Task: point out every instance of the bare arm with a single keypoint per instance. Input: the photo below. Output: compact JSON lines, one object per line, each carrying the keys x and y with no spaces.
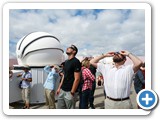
{"x":76,"y":81}
{"x":19,"y":75}
{"x":10,"y":74}
{"x":137,"y":63}
{"x":27,"y":79}
{"x":97,"y":59}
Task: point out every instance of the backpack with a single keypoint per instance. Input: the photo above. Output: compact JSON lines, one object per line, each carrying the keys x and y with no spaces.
{"x":20,"y":84}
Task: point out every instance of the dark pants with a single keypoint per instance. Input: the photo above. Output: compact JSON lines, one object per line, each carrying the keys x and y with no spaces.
{"x":104,"y":94}
{"x":91,"y":98}
{"x":80,"y":100}
{"x":80,"y":95}
{"x":85,"y":99}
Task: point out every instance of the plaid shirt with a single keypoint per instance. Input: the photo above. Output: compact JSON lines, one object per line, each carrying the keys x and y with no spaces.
{"x":88,"y":78}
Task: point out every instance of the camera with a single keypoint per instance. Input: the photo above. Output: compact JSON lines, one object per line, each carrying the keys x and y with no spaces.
{"x":99,"y":83}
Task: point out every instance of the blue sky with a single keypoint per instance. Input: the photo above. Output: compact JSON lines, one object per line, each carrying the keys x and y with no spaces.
{"x":93,"y":31}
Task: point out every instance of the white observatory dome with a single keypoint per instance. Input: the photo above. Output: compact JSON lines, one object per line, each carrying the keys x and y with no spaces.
{"x":39,"y":49}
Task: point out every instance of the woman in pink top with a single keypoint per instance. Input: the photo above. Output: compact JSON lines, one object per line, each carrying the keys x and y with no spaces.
{"x":88,"y":78}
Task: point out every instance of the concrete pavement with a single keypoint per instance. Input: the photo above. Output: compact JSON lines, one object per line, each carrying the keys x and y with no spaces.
{"x":98,"y":101}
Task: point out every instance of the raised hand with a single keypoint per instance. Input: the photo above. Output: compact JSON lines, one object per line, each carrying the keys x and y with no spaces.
{"x":109,"y":54}
{"x":124,"y":52}
{"x":58,"y":91}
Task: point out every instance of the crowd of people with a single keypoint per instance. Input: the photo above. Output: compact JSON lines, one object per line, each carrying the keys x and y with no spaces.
{"x":78,"y":81}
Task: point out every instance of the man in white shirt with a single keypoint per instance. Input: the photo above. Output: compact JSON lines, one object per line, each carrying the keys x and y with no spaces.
{"x":117,"y":78}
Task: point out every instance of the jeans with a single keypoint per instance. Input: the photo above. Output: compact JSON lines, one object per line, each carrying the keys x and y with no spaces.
{"x":85,"y":99}
{"x":91,"y":98}
{"x":80,"y":100}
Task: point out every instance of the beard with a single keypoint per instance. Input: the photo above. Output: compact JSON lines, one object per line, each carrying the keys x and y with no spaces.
{"x":117,"y":60}
{"x":68,"y":53}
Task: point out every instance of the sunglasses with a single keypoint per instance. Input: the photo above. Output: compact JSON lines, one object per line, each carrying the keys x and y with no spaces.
{"x":72,"y":47}
{"x":116,"y":53}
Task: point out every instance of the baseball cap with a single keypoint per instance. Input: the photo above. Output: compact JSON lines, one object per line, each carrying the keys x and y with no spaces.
{"x":26,"y":67}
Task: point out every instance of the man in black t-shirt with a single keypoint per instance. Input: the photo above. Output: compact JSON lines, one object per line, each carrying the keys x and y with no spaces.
{"x":69,"y":84}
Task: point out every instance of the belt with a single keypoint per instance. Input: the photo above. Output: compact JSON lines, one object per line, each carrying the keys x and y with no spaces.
{"x":118,"y":99}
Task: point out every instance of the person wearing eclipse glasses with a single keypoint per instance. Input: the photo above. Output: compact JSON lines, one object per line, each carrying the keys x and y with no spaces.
{"x":117,"y":78}
{"x":68,"y":87}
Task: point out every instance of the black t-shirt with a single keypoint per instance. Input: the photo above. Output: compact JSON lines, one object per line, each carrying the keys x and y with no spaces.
{"x":93,"y":70}
{"x":71,"y":66}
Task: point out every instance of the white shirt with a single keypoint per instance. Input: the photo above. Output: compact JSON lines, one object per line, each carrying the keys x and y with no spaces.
{"x":117,"y":82}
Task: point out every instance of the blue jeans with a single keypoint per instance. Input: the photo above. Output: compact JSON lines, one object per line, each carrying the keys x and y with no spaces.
{"x":85,"y":98}
{"x":91,"y":98}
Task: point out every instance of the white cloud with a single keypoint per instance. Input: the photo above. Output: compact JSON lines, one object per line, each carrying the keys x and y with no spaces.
{"x":92,"y":32}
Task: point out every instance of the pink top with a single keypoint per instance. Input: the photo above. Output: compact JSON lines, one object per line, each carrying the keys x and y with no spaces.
{"x":88,"y":78}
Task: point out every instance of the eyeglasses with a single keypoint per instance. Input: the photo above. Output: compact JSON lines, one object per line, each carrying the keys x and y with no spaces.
{"x":72,"y":47}
{"x":116,"y":53}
